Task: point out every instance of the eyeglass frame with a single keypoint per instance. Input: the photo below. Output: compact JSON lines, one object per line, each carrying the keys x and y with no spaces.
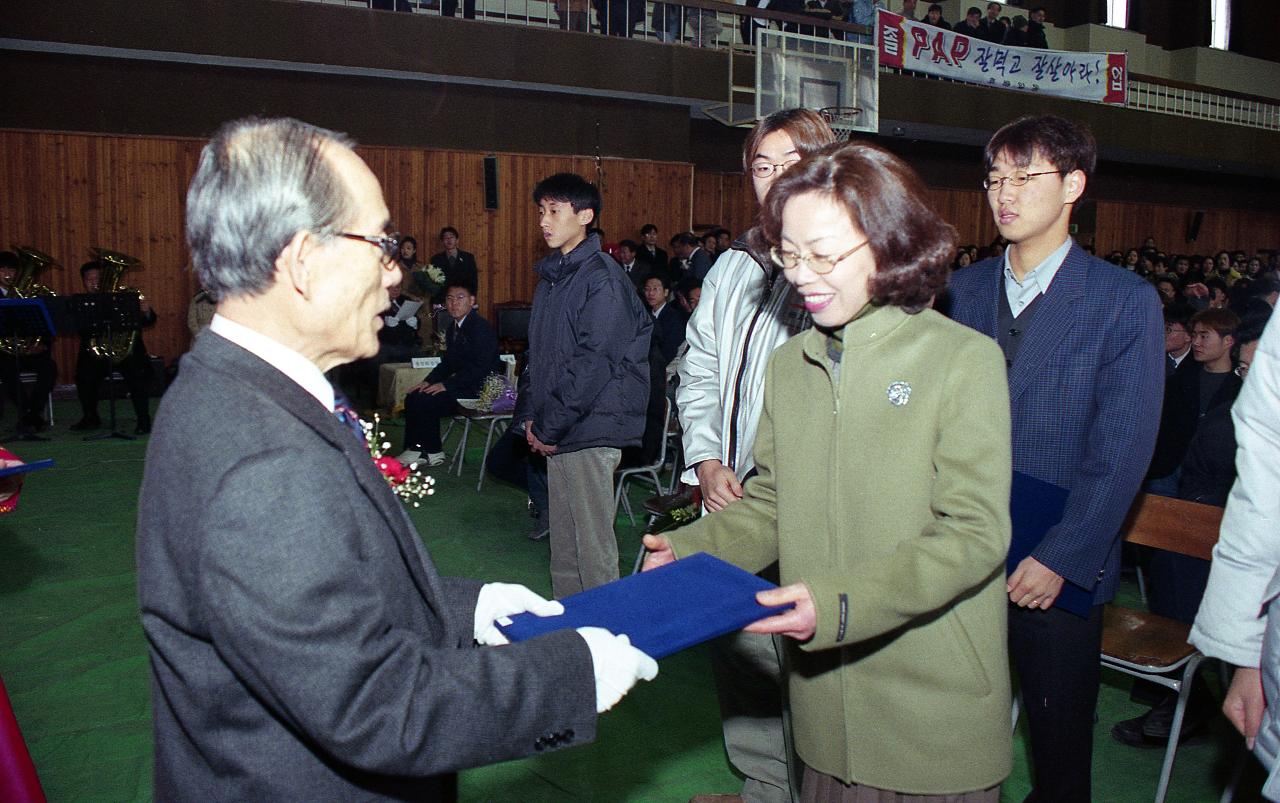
{"x":775,"y":255}
{"x":773,"y":167}
{"x":989,"y":185}
{"x":389,"y":244}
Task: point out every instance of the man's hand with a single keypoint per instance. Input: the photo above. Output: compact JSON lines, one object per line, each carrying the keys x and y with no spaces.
{"x":1033,"y":585}
{"x":544,"y":449}
{"x":659,"y":552}
{"x":1245,"y":703}
{"x":430,"y":389}
{"x":616,"y":664}
{"x":798,"y":623}
{"x":720,"y":486}
{"x":497,"y":601}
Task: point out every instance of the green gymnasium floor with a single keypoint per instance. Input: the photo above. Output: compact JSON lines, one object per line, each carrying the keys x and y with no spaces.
{"x":74,"y":659}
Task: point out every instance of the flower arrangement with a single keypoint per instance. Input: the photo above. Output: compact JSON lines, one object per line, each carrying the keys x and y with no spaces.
{"x":496,"y":396}
{"x":429,"y":280}
{"x":405,"y":481}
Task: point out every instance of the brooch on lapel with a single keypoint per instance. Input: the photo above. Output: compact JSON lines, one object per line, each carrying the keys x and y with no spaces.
{"x":899,"y":393}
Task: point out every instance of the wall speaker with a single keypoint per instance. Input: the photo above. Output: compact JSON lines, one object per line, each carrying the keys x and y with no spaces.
{"x":1193,"y":230}
{"x":490,"y":182}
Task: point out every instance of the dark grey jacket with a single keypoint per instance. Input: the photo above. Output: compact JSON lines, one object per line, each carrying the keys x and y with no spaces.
{"x":303,"y":646}
{"x":588,"y":377}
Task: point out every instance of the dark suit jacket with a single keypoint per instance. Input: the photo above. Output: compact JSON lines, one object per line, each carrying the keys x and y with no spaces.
{"x":1085,"y":395}
{"x":1180,"y":414}
{"x":463,"y":271}
{"x":471,"y":354}
{"x":668,"y":330}
{"x":656,"y":261}
{"x":302,"y":645}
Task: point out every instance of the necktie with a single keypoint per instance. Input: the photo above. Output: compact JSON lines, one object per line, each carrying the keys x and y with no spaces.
{"x":347,"y":415}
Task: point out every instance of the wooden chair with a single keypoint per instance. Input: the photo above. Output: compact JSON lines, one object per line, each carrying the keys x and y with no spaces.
{"x":1153,"y":647}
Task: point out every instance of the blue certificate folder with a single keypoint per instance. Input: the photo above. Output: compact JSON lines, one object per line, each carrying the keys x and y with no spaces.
{"x":1035,"y":506}
{"x":662,"y":611}
{"x":35,"y":465}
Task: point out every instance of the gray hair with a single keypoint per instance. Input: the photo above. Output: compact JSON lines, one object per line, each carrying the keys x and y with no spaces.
{"x":260,"y":182}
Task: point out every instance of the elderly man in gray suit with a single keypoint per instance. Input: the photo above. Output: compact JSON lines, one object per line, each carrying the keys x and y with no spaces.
{"x":302,"y":645}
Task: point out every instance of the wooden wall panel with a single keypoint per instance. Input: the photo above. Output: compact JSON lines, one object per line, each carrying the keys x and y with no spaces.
{"x":67,"y":192}
{"x":1123,"y":225}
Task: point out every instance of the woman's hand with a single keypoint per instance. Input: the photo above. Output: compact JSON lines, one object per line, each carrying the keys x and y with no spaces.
{"x":798,"y":623}
{"x":720,"y":486}
{"x":659,"y":552}
{"x":9,"y":485}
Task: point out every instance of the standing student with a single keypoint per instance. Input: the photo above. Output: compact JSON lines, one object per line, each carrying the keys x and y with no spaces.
{"x":583,"y":395}
{"x":1083,"y":343}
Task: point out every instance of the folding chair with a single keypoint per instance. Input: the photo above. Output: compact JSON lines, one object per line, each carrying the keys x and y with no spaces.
{"x":1152,"y":647}
{"x":647,"y":472}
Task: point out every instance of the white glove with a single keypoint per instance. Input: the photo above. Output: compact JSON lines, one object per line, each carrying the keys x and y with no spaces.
{"x":411,"y":322}
{"x":617,"y":665}
{"x":497,"y":601}
{"x":389,"y":320}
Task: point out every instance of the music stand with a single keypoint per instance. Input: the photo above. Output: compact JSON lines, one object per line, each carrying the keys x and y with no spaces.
{"x":106,"y":314}
{"x":22,"y":318}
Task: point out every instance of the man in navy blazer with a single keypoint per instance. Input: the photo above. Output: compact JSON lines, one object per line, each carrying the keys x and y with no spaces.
{"x":1084,"y":344}
{"x":303,"y":646}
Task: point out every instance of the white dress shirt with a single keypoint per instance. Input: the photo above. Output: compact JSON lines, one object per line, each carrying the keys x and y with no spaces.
{"x":284,"y":359}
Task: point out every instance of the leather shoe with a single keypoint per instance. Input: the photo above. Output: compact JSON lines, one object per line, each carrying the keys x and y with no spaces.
{"x":1129,"y":731}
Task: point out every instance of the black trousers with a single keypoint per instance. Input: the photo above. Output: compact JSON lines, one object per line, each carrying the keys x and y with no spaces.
{"x":1056,"y":656}
{"x":92,"y":371}
{"x":449,"y":8}
{"x":30,"y":404}
{"x":422,"y":414}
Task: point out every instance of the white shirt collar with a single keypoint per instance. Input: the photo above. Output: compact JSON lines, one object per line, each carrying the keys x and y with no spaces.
{"x":284,"y":359}
{"x":659,"y":310}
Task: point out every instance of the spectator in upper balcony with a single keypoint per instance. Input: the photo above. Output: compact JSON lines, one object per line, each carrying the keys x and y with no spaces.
{"x":650,"y":254}
{"x":449,"y":8}
{"x":993,"y":29}
{"x":1016,"y":36}
{"x":909,"y":9}
{"x":971,"y":25}
{"x":1035,"y":29}
{"x":862,"y":12}
{"x":934,"y":17}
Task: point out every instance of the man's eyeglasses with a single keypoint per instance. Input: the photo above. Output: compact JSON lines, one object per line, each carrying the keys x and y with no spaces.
{"x":766,"y":169}
{"x":790,"y":260}
{"x":389,"y":243}
{"x":1015,"y":179}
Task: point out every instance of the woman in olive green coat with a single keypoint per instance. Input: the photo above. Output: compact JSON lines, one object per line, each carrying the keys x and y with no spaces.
{"x":883,"y":490}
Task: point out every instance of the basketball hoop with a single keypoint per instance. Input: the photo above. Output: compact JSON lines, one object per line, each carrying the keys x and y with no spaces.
{"x":842,"y":119}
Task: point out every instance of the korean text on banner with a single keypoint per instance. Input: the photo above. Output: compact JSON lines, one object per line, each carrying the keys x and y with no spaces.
{"x":911,"y":45}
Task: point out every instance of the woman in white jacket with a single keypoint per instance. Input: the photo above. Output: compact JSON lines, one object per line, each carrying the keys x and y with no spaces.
{"x":1239,"y":619}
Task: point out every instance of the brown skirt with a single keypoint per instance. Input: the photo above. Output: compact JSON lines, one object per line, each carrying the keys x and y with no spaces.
{"x":818,"y":787}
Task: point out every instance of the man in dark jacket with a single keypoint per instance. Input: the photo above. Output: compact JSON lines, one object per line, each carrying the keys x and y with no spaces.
{"x":471,"y":354}
{"x":582,"y":398}
{"x":459,"y":266}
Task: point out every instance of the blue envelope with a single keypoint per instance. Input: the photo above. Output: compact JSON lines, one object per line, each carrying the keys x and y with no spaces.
{"x":26,"y":468}
{"x":1036,"y":506}
{"x":662,"y":611}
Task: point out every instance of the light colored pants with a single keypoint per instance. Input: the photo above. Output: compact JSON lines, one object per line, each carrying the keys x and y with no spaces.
{"x":584,"y":550}
{"x":749,"y":682}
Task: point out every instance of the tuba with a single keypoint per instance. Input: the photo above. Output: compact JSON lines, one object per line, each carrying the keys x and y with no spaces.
{"x":30,"y":262}
{"x":113,"y":264}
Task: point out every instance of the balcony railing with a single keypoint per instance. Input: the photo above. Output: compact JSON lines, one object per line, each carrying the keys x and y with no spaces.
{"x":717,"y":25}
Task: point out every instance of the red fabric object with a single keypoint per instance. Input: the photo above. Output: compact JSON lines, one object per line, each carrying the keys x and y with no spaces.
{"x":18,"y":780}
{"x":9,"y":504}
